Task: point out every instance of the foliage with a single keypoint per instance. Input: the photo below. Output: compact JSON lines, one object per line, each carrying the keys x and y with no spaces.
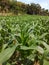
{"x":23,"y":37}
{"x":17,"y":7}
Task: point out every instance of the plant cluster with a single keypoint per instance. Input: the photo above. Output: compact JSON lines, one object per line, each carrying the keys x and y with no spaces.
{"x":24,"y":39}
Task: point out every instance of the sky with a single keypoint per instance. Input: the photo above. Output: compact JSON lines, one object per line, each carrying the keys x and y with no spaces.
{"x":43,"y":3}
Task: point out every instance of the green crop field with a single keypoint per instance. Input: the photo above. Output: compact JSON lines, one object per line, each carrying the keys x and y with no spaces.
{"x":22,"y":38}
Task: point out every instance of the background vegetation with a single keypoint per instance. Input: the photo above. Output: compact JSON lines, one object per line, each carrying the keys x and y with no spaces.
{"x":16,"y":7}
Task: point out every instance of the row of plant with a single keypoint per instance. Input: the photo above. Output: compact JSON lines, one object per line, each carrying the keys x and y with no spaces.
{"x":24,"y":40}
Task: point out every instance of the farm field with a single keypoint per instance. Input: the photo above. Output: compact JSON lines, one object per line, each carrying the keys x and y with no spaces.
{"x":23,"y":39}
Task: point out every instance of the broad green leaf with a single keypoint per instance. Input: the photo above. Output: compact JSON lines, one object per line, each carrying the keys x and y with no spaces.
{"x":7,"y":53}
{"x":4,"y":46}
{"x":43,"y":35}
{"x":40,"y":49}
{"x":27,"y":48}
{"x":46,"y":45}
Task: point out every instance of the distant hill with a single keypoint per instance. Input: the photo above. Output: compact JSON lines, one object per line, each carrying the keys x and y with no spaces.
{"x":15,"y":7}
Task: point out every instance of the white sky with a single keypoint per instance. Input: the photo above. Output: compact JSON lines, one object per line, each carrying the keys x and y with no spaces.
{"x":43,"y":3}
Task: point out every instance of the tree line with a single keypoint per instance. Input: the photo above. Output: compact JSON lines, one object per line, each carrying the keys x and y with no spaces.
{"x":17,"y":7}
